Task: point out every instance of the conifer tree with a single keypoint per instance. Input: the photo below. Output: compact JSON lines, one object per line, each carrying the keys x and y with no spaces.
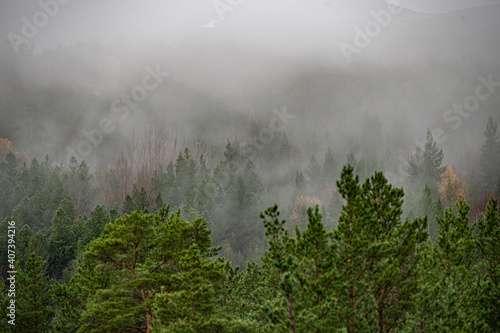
{"x":62,"y":241}
{"x":376,"y":252}
{"x":427,"y":207}
{"x":159,"y":202}
{"x":203,"y":170}
{"x":128,"y":205}
{"x":140,"y":198}
{"x":300,"y":185}
{"x":144,"y":268}
{"x":253,"y":181}
{"x":431,"y":166}
{"x":352,"y":160}
{"x":170,"y":193}
{"x":34,"y":311}
{"x":489,"y":160}
{"x":80,"y":187}
{"x":448,"y":286}
{"x":329,"y":169}
{"x":488,"y":235}
{"x":94,"y":225}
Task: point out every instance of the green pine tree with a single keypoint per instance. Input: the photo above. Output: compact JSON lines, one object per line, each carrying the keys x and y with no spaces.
{"x":128,"y":205}
{"x":143,"y":257}
{"x":489,"y":160}
{"x":34,"y":310}
{"x":376,"y":253}
{"x":488,"y":235}
{"x":329,"y":169}
{"x":62,"y":240}
{"x":432,"y":167}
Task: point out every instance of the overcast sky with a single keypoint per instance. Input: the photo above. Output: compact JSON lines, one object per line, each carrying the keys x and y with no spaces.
{"x":134,"y":21}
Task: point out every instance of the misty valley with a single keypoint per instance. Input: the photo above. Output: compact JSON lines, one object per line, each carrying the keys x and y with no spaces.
{"x":236,"y":166}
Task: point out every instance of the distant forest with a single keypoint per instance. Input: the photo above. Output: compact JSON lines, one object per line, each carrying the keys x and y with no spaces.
{"x":153,"y":243}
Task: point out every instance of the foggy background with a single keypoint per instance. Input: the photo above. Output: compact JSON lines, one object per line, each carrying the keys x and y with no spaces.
{"x":256,"y":57}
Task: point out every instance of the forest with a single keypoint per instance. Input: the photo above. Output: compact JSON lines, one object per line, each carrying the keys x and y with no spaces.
{"x":249,"y":166}
{"x":186,"y":251}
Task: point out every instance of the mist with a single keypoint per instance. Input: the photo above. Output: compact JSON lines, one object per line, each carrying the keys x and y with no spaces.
{"x":89,"y":79}
{"x":250,"y":165}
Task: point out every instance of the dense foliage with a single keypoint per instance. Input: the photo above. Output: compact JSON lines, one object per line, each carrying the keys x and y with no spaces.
{"x":178,"y":248}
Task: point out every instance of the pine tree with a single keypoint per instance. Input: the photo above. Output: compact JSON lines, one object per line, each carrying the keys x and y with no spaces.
{"x":140,"y":198}
{"x":9,"y":165}
{"x":376,"y":253}
{"x":427,"y":207}
{"x":447,"y":287}
{"x":23,"y":243}
{"x":489,"y":160}
{"x":128,"y":205}
{"x":488,"y":235}
{"x":152,"y":261}
{"x":329,"y":169}
{"x":34,"y":311}
{"x":300,"y":271}
{"x":253,"y":182}
{"x":300,"y":185}
{"x":203,"y":170}
{"x":94,"y":225}
{"x":62,"y":241}
{"x":229,"y":152}
{"x":185,"y":170}
{"x":351,"y":159}
{"x":159,"y":202}
{"x":432,"y":160}
{"x":170,"y":193}
{"x":80,"y":187}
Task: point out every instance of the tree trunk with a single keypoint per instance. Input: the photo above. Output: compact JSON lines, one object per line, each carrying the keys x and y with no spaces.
{"x":149,"y":316}
{"x":290,"y":312}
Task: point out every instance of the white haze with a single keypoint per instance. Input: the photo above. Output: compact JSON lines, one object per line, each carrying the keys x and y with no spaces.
{"x":428,"y":58}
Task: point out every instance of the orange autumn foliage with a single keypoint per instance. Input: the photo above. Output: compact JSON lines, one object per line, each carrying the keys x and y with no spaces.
{"x":451,"y":188}
{"x":5,"y":147}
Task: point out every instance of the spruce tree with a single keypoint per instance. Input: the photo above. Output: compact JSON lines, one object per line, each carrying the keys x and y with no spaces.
{"x":203,"y":170}
{"x":34,"y":310}
{"x":140,"y":198}
{"x":253,"y":182}
{"x":489,"y":160}
{"x":432,"y":160}
{"x":128,"y":205}
{"x":329,"y":169}
{"x":427,"y":207}
{"x":300,"y":186}
{"x":448,"y":286}
{"x":62,"y":240}
{"x":159,"y":202}
{"x":94,"y":225}
{"x":488,"y":235}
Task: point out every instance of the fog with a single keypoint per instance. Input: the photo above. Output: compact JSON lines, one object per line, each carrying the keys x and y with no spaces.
{"x":234,"y":62}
